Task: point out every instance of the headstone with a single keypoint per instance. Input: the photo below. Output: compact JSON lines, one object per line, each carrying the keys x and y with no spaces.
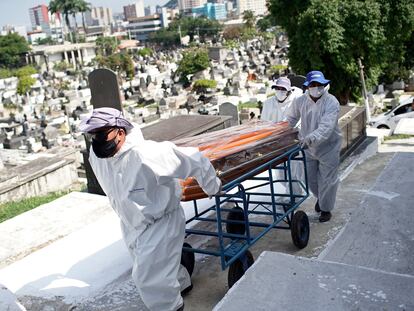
{"x":142,"y":84}
{"x":297,"y":80}
{"x":104,"y":89}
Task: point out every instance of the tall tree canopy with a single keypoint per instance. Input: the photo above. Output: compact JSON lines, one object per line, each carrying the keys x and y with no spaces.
{"x":331,"y":35}
{"x":13,"y":47}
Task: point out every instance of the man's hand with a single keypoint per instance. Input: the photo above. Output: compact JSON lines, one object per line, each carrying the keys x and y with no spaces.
{"x":305,"y":143}
{"x":219,"y":192}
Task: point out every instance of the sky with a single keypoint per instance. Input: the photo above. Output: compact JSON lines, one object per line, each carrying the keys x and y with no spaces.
{"x":16,"y":12}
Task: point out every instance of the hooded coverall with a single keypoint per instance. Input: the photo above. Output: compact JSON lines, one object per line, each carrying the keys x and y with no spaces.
{"x":320,"y":131}
{"x":141,"y":182}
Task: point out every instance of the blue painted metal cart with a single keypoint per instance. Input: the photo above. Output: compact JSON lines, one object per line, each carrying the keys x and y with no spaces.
{"x":240,"y":208}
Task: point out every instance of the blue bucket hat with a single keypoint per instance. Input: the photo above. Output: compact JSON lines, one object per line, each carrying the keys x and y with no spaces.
{"x":315,"y":76}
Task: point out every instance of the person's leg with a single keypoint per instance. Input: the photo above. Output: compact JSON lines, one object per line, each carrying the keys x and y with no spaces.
{"x":312,"y":168}
{"x":157,"y":261}
{"x":328,"y":181}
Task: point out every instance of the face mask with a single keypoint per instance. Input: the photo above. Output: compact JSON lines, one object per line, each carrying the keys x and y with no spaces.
{"x":104,"y":149}
{"x":281,"y":95}
{"x":316,"y":91}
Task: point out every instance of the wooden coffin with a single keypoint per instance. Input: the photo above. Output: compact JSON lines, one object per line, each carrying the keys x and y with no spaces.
{"x":237,"y":150}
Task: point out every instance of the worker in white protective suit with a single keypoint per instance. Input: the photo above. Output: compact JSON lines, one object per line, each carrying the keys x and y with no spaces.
{"x":320,"y":135}
{"x":275,"y":109}
{"x":140,"y":178}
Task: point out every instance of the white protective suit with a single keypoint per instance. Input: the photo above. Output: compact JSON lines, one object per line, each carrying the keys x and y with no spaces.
{"x":275,"y":111}
{"x":141,"y":182}
{"x":320,"y":130}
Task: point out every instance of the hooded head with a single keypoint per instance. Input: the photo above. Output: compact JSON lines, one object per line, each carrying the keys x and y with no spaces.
{"x":108,"y":128}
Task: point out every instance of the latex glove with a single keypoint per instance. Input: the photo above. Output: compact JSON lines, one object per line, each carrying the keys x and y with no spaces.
{"x":219,"y":192}
{"x":305,"y":142}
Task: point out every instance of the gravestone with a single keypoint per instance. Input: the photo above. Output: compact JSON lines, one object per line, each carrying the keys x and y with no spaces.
{"x":297,"y":80}
{"x":105,"y":93}
{"x":104,"y":89}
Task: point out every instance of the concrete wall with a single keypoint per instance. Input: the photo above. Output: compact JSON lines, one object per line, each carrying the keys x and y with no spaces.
{"x":51,"y":177}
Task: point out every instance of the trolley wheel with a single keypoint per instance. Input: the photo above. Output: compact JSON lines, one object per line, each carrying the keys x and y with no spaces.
{"x":188,"y":259}
{"x":238,"y":268}
{"x":300,"y":229}
{"x":236,"y":214}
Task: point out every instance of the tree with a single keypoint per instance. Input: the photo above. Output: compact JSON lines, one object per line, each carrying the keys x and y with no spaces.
{"x":165,"y":37}
{"x":331,"y":36}
{"x":45,"y":41}
{"x":82,"y":7}
{"x":249,"y":19}
{"x":119,"y":62}
{"x":69,"y":8}
{"x":201,"y":86}
{"x":12,"y":50}
{"x":194,"y":60}
{"x":145,"y":52}
{"x":232,"y":32}
{"x":106,"y":45}
{"x":24,"y":84}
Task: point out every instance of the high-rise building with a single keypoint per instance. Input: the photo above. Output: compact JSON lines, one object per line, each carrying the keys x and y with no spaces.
{"x":134,"y":10}
{"x":99,"y":16}
{"x":50,"y":24}
{"x":211,"y":11}
{"x":188,"y":5}
{"x":21,"y":30}
{"x":141,"y":27}
{"x":258,"y":7}
{"x":149,"y":10}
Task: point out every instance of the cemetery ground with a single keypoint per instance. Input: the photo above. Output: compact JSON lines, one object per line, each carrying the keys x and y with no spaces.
{"x":358,"y":174}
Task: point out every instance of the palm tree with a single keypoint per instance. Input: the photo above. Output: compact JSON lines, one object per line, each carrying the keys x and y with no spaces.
{"x":83,"y":7}
{"x":65,"y":7}
{"x":249,"y":19}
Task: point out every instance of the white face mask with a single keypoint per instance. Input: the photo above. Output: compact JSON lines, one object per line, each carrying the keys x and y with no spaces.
{"x":316,"y":91}
{"x":281,"y":95}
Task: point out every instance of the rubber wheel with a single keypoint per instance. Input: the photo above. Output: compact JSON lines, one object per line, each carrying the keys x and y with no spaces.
{"x":236,"y":214}
{"x":188,"y":259}
{"x":237,"y":270}
{"x":300,"y":229}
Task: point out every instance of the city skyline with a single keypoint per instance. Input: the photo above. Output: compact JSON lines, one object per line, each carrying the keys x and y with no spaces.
{"x":20,"y":9}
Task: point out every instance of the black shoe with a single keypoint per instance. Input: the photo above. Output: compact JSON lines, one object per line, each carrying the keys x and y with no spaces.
{"x":187,"y":290}
{"x":317,"y":208}
{"x":325,"y":216}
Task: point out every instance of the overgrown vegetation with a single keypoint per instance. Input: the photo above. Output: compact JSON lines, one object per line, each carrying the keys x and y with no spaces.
{"x":194,"y":60}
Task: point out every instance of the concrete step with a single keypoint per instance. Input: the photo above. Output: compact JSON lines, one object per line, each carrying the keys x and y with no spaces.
{"x":284,"y":282}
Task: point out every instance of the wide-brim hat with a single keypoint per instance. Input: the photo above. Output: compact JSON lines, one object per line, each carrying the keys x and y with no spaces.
{"x":283,"y":82}
{"x":315,"y":76}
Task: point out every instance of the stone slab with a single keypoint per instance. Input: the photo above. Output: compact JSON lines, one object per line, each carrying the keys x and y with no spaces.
{"x":284,"y":282}
{"x":37,"y":228}
{"x":383,"y":224}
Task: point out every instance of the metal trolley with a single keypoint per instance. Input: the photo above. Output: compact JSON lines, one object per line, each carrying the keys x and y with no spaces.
{"x":235,"y":208}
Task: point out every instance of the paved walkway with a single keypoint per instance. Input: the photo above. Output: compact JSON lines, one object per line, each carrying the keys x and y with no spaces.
{"x":368,"y":266}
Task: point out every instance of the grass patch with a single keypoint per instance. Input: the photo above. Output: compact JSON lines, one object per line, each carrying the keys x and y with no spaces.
{"x":248,"y":105}
{"x":10,"y":209}
{"x":397,"y":136}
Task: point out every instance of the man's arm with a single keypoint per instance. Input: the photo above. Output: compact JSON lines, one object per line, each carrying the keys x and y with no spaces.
{"x":184,"y":162}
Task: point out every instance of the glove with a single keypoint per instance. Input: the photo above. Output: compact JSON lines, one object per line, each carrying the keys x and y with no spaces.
{"x":305,"y":142}
{"x":219,"y":192}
